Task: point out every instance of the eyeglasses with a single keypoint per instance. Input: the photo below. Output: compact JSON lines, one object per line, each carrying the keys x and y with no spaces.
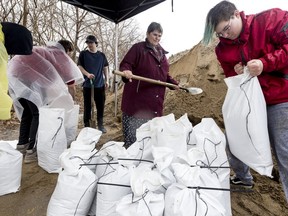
{"x":225,"y":29}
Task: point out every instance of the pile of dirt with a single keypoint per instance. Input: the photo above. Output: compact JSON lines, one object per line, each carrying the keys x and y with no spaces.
{"x":196,"y":67}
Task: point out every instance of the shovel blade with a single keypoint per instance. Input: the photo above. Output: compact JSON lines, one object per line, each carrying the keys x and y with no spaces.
{"x":194,"y":90}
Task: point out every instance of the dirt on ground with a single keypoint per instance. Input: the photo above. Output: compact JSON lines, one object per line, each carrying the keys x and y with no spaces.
{"x":195,"y":67}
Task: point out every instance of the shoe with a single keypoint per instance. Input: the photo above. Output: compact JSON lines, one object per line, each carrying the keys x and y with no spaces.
{"x":31,"y":156}
{"x":237,"y":182}
{"x":101,"y":128}
{"x":22,"y":148}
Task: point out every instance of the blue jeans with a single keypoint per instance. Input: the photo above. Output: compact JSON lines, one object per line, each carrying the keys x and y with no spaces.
{"x":278,"y":133}
{"x":241,"y":170}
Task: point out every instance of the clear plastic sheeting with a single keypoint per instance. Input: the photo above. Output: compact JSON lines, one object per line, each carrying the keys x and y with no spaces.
{"x":41,"y":77}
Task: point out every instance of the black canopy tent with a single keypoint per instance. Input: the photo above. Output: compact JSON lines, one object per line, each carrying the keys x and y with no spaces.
{"x":115,"y":11}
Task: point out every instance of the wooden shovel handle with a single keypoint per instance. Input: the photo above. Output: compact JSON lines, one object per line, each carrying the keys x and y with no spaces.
{"x":157,"y":82}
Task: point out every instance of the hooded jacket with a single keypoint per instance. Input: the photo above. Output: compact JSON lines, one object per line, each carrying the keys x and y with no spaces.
{"x":264,"y":36}
{"x":142,"y":99}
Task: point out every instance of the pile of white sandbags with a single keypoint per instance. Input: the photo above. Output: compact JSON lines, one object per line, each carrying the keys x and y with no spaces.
{"x":172,"y":169}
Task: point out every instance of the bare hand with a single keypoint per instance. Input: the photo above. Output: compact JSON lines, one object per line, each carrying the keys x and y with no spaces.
{"x":128,"y":75}
{"x":90,"y":76}
{"x":255,"y":67}
{"x":239,"y":68}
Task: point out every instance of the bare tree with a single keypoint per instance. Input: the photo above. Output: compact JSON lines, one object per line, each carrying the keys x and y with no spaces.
{"x":52,"y":20}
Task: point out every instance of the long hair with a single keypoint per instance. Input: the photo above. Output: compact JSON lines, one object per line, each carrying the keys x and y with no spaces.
{"x":220,"y":12}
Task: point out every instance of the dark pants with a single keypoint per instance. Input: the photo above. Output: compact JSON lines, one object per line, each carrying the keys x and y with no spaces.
{"x":29,"y":123}
{"x":99,"y":98}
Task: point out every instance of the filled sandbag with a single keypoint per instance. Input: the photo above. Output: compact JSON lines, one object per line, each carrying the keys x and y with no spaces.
{"x":51,"y":138}
{"x":148,"y":204}
{"x":10,"y":169}
{"x":74,"y":191}
{"x":245,"y":119}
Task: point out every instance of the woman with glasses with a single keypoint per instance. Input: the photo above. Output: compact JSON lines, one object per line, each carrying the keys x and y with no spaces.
{"x":260,"y":42}
{"x":141,"y":100}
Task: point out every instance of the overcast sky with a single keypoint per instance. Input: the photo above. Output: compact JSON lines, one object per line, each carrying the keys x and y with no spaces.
{"x":183,"y":28}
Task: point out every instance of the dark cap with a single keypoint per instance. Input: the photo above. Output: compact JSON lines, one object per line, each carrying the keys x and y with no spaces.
{"x":18,"y":39}
{"x":91,"y":38}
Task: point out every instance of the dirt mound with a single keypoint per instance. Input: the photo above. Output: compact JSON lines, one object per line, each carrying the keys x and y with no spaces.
{"x":196,"y":67}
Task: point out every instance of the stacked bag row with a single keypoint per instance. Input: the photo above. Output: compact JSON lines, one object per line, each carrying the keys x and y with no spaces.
{"x":173,"y":168}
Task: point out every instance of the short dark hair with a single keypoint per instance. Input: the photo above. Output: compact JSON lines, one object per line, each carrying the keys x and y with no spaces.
{"x":68,"y":46}
{"x":154,"y":26}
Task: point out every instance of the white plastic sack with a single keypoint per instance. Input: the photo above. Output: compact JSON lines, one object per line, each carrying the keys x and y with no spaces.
{"x":245,"y":119}
{"x":51,"y":139}
{"x":211,"y":151}
{"x":146,"y":205}
{"x":174,"y":135}
{"x":144,"y":178}
{"x":202,"y":177}
{"x":74,"y":191}
{"x":109,"y":195}
{"x":10,"y":169}
{"x":71,"y":123}
{"x":89,"y":136}
{"x":183,"y":201}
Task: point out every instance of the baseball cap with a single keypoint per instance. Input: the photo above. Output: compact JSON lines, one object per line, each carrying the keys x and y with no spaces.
{"x":91,"y":38}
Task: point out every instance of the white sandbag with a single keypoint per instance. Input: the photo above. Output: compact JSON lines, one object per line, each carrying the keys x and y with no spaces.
{"x":51,"y":139}
{"x":110,"y":189}
{"x":163,"y":157}
{"x":146,"y":137}
{"x":71,"y":123}
{"x":148,"y":204}
{"x":145,"y":178}
{"x":82,"y":154}
{"x":12,"y":143}
{"x":174,"y":135}
{"x":245,"y":119}
{"x":89,"y":136}
{"x":74,"y":191}
{"x":210,"y":151}
{"x":10,"y":169}
{"x":113,"y":149}
{"x":183,"y":201}
{"x":203,"y":178}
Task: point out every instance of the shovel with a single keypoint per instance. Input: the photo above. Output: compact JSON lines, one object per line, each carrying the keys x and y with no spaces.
{"x":191,"y":90}
{"x":92,"y":120}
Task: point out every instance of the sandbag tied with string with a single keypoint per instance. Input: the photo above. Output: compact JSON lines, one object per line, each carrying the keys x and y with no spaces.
{"x":75,"y":161}
{"x":202,"y":179}
{"x":75,"y":189}
{"x":114,"y":178}
{"x":149,"y":203}
{"x":209,"y":153}
{"x":51,"y":138}
{"x":162,"y":131}
{"x":10,"y":169}
{"x":245,"y":119}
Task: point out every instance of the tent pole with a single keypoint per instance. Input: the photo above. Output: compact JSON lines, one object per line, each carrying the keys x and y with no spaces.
{"x":116,"y":67}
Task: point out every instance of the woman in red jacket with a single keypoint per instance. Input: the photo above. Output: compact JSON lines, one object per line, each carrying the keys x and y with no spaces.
{"x":141,"y":100}
{"x":260,"y":42}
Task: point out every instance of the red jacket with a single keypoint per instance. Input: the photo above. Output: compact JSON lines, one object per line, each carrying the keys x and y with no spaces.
{"x":142,"y":99}
{"x":264,"y":36}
